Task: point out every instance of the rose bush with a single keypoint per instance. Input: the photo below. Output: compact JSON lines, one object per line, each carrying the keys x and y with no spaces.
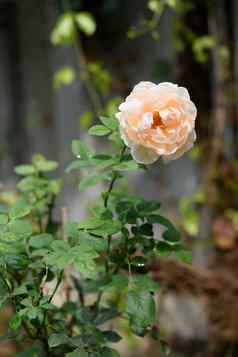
{"x":109,"y":253}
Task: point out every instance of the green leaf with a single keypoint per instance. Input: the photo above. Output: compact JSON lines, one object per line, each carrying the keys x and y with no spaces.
{"x":183,"y":253}
{"x":108,"y":352}
{"x":64,"y":76}
{"x":28,"y":184}
{"x":21,"y":228}
{"x":86,"y":120}
{"x":112,"y":336}
{"x":106,"y":164}
{"x":25,"y":170}
{"x":108,"y":228}
{"x":4,"y":294}
{"x":201,"y":47}
{"x":97,"y":243}
{"x":57,"y":339}
{"x":60,"y":245}
{"x":44,"y":165}
{"x":19,"y":209}
{"x":84,"y":262}
{"x":112,"y":106}
{"x":156,"y":6}
{"x":145,"y":282}
{"x":99,"y":130}
{"x":83,"y":258}
{"x":81,"y":150}
{"x":76,"y":165}
{"x":20,"y":290}
{"x":41,"y":241}
{"x":77,"y":353}
{"x":83,"y":314}
{"x":71,"y":229}
{"x":101,"y":227}
{"x":60,"y":257}
{"x":146,"y":229}
{"x":3,"y":219}
{"x":35,"y":313}
{"x":127,"y":166}
{"x":104,"y":161}
{"x":171,"y":234}
{"x":15,"y":322}
{"x":90,"y":223}
{"x":119,"y":283}
{"x":64,"y":31}
{"x":54,"y":186}
{"x":164,"y":249}
{"x":172,"y":3}
{"x":91,"y":181}
{"x":140,"y":305}
{"x":106,"y":314}
{"x":144,"y":207}
{"x":110,"y":122}
{"x":140,"y":309}
{"x":81,"y":255}
{"x":86,"y":22}
{"x":115,"y":137}
{"x":59,"y":260}
{"x":40,"y":253}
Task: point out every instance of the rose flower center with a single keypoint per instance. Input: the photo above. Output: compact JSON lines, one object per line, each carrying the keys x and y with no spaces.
{"x":157,"y":121}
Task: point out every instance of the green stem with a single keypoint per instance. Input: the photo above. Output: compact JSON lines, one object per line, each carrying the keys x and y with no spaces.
{"x":114,"y":179}
{"x":84,"y":74}
{"x":109,"y":239}
{"x":111,"y":186}
{"x":112,"y":183}
{"x":42,"y":331}
{"x":59,"y":280}
{"x":50,"y":212}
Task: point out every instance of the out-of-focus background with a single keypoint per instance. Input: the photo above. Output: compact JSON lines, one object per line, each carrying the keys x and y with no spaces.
{"x":39,"y":115}
{"x":55,"y":81}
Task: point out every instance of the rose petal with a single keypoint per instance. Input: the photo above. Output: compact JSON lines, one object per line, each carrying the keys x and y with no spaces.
{"x":131,"y":106}
{"x":144,"y":155}
{"x":167,"y":86}
{"x":146,"y":121}
{"x":186,"y":147}
{"x":125,"y":137}
{"x":183,"y":93}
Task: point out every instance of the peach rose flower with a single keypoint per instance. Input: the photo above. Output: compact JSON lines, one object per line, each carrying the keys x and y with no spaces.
{"x":157,"y":120}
